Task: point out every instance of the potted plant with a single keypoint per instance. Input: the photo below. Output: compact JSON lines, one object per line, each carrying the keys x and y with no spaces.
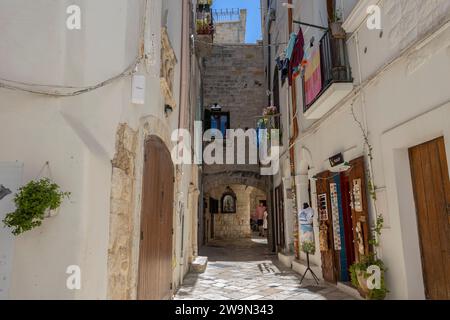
{"x":359,"y":270}
{"x":35,"y":201}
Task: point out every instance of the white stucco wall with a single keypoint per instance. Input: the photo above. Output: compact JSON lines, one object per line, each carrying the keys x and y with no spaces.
{"x":77,"y":135}
{"x":402,"y":106}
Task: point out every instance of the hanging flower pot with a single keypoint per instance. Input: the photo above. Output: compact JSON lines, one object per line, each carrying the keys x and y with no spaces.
{"x":50,"y":213}
{"x":35,"y":201}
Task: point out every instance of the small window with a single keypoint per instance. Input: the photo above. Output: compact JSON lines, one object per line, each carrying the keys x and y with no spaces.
{"x":217,"y":120}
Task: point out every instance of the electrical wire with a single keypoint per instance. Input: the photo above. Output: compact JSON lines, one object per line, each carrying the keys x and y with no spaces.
{"x":74,"y":90}
{"x":127,"y":72}
{"x":224,"y":45}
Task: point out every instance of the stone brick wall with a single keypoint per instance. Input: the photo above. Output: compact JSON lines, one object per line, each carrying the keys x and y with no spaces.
{"x":236,"y":226}
{"x":233,"y":226}
{"x":234,"y":78}
{"x":231,"y":31}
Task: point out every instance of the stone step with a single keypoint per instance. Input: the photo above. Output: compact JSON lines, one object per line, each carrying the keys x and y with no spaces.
{"x":199,"y":264}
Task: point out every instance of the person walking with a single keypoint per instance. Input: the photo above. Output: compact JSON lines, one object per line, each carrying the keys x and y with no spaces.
{"x":260,"y":216}
{"x":265,"y":223}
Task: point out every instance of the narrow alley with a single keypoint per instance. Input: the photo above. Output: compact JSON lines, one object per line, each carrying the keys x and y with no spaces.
{"x":224,"y":149}
{"x":245,"y":270}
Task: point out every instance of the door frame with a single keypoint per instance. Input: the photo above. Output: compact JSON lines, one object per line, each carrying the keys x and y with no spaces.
{"x":405,"y":267}
{"x":158,"y":142}
{"x":421,"y":216}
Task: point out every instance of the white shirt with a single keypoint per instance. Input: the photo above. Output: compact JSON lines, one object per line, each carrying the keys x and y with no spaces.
{"x":265,"y":220}
{"x":306,"y":216}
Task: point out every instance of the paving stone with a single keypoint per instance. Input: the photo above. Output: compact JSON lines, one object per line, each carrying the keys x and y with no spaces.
{"x":234,"y":272}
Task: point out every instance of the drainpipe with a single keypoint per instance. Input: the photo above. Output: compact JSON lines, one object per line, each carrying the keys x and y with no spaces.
{"x":292,"y":145}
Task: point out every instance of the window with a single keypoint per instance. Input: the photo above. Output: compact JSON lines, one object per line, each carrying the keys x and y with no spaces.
{"x":217,"y":120}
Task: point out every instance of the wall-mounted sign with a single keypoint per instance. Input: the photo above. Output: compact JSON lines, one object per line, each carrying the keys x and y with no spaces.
{"x":335,"y":216}
{"x":323,"y":207}
{"x":357,"y":196}
{"x":336,"y":160}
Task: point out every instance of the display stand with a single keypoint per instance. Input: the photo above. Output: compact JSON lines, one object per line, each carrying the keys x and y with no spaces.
{"x":310,"y":270}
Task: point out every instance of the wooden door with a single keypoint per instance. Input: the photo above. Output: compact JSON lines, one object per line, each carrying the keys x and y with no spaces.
{"x":347,"y":217}
{"x":359,"y":208}
{"x":431,"y":186}
{"x":279,"y":217}
{"x":326,"y":226}
{"x":155,"y":256}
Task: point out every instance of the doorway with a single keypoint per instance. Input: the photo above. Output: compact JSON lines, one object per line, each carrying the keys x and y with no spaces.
{"x":155,"y":251}
{"x":431,"y":188}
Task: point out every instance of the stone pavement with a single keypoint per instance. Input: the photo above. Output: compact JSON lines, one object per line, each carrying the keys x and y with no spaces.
{"x":244,"y":270}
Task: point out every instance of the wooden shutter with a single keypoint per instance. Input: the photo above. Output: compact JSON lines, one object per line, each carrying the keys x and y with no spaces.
{"x":326,"y":225}
{"x":360,"y":213}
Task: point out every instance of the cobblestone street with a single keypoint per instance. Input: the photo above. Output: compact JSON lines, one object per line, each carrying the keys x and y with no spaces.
{"x":244,"y":270}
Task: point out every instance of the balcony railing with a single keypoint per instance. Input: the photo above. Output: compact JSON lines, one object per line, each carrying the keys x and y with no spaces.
{"x":226,"y":15}
{"x":334,"y":65}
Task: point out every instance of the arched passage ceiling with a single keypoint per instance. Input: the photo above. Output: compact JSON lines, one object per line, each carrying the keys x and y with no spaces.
{"x":247,"y":178}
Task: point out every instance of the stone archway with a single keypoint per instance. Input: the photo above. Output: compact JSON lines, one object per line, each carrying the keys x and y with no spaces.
{"x":248,"y":186}
{"x":125,"y":207}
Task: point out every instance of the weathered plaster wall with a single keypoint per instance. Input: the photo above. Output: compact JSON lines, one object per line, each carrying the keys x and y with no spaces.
{"x":121,"y":219}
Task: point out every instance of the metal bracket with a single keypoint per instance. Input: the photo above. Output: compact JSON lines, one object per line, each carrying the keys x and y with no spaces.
{"x":310,"y":25}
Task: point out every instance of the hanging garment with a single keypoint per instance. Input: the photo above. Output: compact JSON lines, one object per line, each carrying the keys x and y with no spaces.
{"x":283,"y":67}
{"x":297,"y":56}
{"x":323,"y":237}
{"x":313,"y":77}
{"x":290,"y":46}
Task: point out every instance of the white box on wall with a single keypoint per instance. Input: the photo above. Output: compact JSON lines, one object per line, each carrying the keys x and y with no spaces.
{"x":138,"y":89}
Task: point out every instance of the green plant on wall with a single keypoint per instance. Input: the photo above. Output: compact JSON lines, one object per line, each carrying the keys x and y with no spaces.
{"x":358,"y":270}
{"x":33,"y":201}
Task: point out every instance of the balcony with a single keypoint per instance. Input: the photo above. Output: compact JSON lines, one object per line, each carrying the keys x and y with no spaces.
{"x":325,"y":88}
{"x":204,"y":25}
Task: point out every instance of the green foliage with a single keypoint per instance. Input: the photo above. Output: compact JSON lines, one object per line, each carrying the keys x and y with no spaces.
{"x":32,"y":201}
{"x":361,"y":266}
{"x":308,"y":247}
{"x":371,"y":260}
{"x":377,"y":231}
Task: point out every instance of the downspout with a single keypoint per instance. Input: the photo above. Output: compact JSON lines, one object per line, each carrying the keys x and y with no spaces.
{"x":292,"y":143}
{"x":271,"y":233}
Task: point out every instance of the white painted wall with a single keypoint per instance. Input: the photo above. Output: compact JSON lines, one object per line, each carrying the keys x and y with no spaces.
{"x":75,"y":134}
{"x":10,"y":178}
{"x":405,"y":105}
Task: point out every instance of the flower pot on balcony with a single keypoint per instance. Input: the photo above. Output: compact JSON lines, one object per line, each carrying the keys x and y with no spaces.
{"x":336,"y":30}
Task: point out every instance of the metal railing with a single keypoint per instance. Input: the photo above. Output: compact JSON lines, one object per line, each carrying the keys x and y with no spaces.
{"x":225,"y":15}
{"x":334,"y":65}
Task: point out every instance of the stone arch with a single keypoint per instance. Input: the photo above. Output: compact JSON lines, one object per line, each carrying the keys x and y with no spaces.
{"x":246,"y":178}
{"x":125,"y":207}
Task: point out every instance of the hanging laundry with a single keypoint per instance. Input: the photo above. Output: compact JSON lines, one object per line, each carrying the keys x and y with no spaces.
{"x":283,"y":67}
{"x":290,"y":46}
{"x":297,"y":56}
{"x":313,"y":77}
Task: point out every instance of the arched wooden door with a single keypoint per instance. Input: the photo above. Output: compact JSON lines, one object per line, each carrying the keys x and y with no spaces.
{"x":155,"y":253}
